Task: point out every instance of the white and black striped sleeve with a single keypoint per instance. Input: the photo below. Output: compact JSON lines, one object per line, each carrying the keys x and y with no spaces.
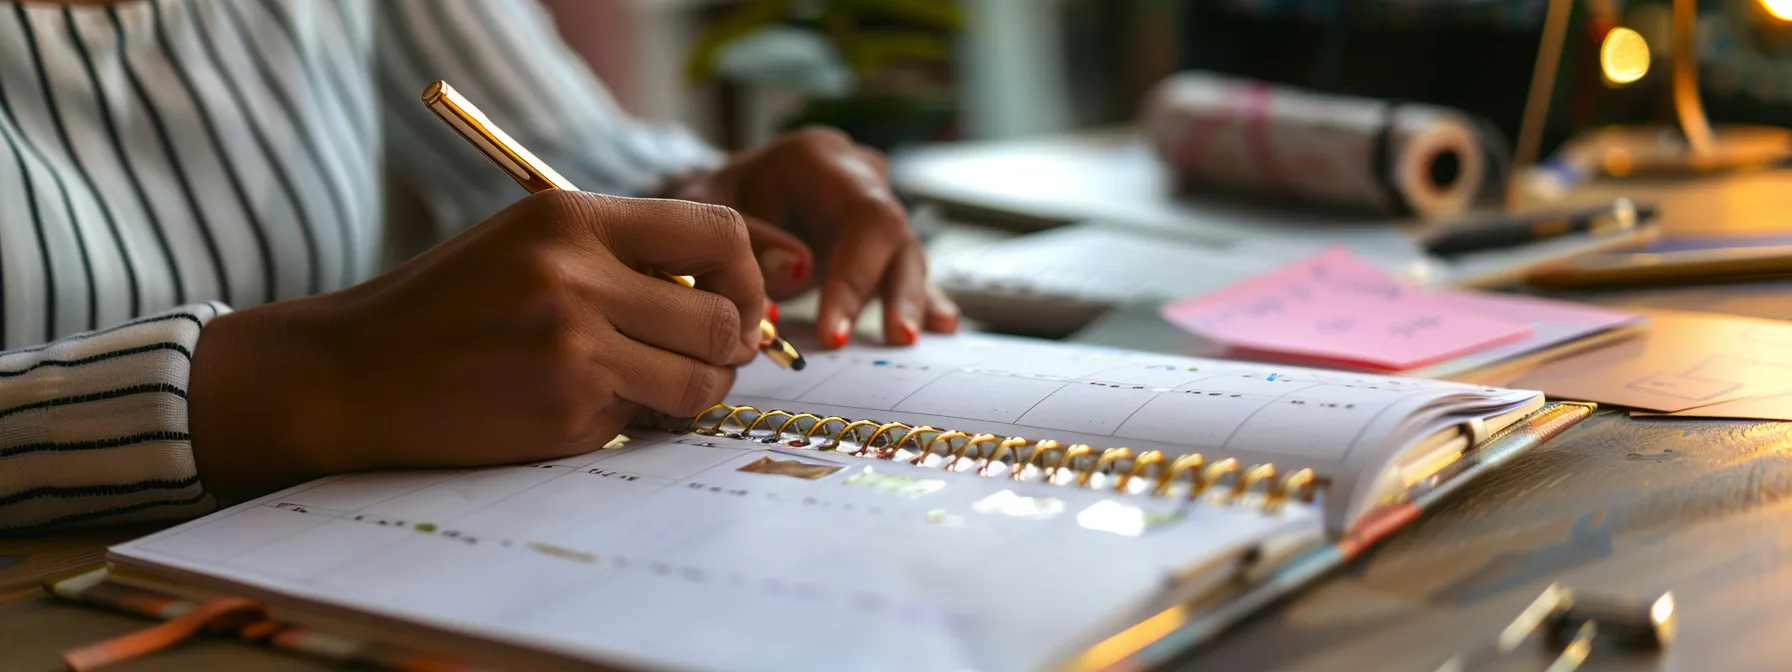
{"x":508,"y":58}
{"x":93,"y":427}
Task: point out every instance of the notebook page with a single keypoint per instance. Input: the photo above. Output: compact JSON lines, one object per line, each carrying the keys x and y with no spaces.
{"x":718,"y":553}
{"x":1336,"y":423}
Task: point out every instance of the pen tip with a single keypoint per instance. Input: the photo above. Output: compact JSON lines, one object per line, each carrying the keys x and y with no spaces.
{"x":797,"y":364}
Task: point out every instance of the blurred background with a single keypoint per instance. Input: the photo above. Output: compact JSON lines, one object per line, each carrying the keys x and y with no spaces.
{"x":895,"y":72}
{"x":1086,"y":160}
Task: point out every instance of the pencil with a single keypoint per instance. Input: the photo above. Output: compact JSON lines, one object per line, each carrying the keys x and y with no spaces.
{"x":536,"y":176}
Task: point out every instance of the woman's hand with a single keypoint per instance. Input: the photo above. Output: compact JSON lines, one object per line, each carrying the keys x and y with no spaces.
{"x":819,"y":207}
{"x":535,"y":334}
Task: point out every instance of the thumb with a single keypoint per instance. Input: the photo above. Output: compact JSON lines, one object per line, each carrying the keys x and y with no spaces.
{"x":787,"y":264}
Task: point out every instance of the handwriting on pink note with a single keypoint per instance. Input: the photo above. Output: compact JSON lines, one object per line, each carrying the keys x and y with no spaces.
{"x":1335,"y":308}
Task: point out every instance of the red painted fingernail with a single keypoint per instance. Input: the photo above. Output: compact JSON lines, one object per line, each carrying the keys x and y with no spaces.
{"x":910,"y":333}
{"x":771,"y":312}
{"x":799,"y":269}
{"x":841,"y":331}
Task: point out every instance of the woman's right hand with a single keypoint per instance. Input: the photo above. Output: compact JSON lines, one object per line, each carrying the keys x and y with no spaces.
{"x":535,"y":334}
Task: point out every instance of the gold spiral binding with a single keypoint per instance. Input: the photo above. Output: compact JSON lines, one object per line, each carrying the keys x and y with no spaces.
{"x":731,"y":415}
{"x":1040,"y":450}
{"x":810,"y":434}
{"x":869,"y":445}
{"x":1107,"y":459}
{"x":913,"y":435}
{"x":854,"y":427}
{"x":766,"y":416}
{"x":1008,"y":445}
{"x":1299,"y":484}
{"x":783,"y":429}
{"x":1243,"y":482}
{"x":1213,"y":473}
{"x":927,"y":449}
{"x":1223,"y":481}
{"x":1069,"y":459}
{"x":965,"y":449}
{"x":1150,"y":459}
{"x":1190,"y":464}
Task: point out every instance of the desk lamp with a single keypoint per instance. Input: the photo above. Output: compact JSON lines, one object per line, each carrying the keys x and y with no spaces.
{"x":1691,"y":146}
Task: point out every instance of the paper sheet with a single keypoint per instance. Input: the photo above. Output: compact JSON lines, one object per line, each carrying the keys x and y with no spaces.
{"x":1769,"y":407}
{"x":1335,"y":307}
{"x":1691,"y":364}
{"x":695,"y":552}
{"x":1553,"y":324}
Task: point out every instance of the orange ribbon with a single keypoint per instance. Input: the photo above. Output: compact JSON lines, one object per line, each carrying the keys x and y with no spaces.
{"x":233,"y":613}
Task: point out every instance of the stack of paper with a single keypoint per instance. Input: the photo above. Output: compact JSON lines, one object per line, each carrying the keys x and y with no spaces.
{"x":1687,"y":365}
{"x":1338,"y":311}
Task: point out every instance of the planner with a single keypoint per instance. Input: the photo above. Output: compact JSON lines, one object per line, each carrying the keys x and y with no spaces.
{"x":969,"y":503}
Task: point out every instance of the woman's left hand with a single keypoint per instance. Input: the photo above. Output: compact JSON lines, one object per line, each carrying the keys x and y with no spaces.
{"x":819,"y":210}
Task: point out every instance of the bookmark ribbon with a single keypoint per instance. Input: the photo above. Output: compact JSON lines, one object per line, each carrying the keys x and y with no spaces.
{"x":231,"y":614}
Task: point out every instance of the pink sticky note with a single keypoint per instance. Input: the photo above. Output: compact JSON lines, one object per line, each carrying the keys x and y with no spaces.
{"x":1334,"y":307}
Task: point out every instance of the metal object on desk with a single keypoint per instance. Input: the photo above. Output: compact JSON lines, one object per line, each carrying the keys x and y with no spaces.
{"x":1505,"y":231}
{"x":1571,"y":622}
{"x":1628,"y":623}
{"x":1553,"y":600}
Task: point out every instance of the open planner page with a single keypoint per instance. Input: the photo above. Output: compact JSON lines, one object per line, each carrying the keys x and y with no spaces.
{"x":705,"y":552}
{"x":1345,"y":426}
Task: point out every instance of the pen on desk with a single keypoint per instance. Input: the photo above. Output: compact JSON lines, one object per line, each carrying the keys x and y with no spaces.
{"x":1514,"y":230}
{"x":536,"y":176}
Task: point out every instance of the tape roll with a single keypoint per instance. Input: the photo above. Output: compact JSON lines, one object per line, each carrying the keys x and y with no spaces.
{"x":1362,"y":154}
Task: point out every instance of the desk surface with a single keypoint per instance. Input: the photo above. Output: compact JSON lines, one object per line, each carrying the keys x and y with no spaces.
{"x":1700,"y":507}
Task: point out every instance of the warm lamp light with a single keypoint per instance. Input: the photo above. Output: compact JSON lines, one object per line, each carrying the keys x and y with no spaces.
{"x":1779,"y":9}
{"x":1624,"y":55}
{"x":1689,"y":146}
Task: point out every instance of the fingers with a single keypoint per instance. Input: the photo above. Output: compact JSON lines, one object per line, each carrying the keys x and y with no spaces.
{"x":701,"y":325}
{"x":905,"y":295}
{"x":942,"y":311}
{"x":666,"y":381}
{"x":785,"y":263}
{"x":875,"y":159}
{"x":851,"y":196}
{"x":602,"y":429}
{"x":857,"y":268}
{"x":684,"y":238}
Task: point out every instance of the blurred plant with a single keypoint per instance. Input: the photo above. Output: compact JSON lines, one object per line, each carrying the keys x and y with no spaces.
{"x":870,"y":67}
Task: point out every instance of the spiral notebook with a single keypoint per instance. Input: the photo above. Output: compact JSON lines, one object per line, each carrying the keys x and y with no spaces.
{"x":879,"y":510}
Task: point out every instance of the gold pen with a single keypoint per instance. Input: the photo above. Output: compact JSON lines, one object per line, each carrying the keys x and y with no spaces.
{"x":535,"y":175}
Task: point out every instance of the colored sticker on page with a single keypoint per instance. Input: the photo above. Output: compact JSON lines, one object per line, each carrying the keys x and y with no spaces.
{"x":1335,"y":308}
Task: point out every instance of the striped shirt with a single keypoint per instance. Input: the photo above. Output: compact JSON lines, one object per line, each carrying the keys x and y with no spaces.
{"x":164,"y":160}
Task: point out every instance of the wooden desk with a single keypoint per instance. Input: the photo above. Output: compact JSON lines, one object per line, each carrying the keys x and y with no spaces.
{"x":1703,"y":508}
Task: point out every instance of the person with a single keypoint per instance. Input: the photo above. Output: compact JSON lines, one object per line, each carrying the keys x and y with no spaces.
{"x":190,"y":224}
